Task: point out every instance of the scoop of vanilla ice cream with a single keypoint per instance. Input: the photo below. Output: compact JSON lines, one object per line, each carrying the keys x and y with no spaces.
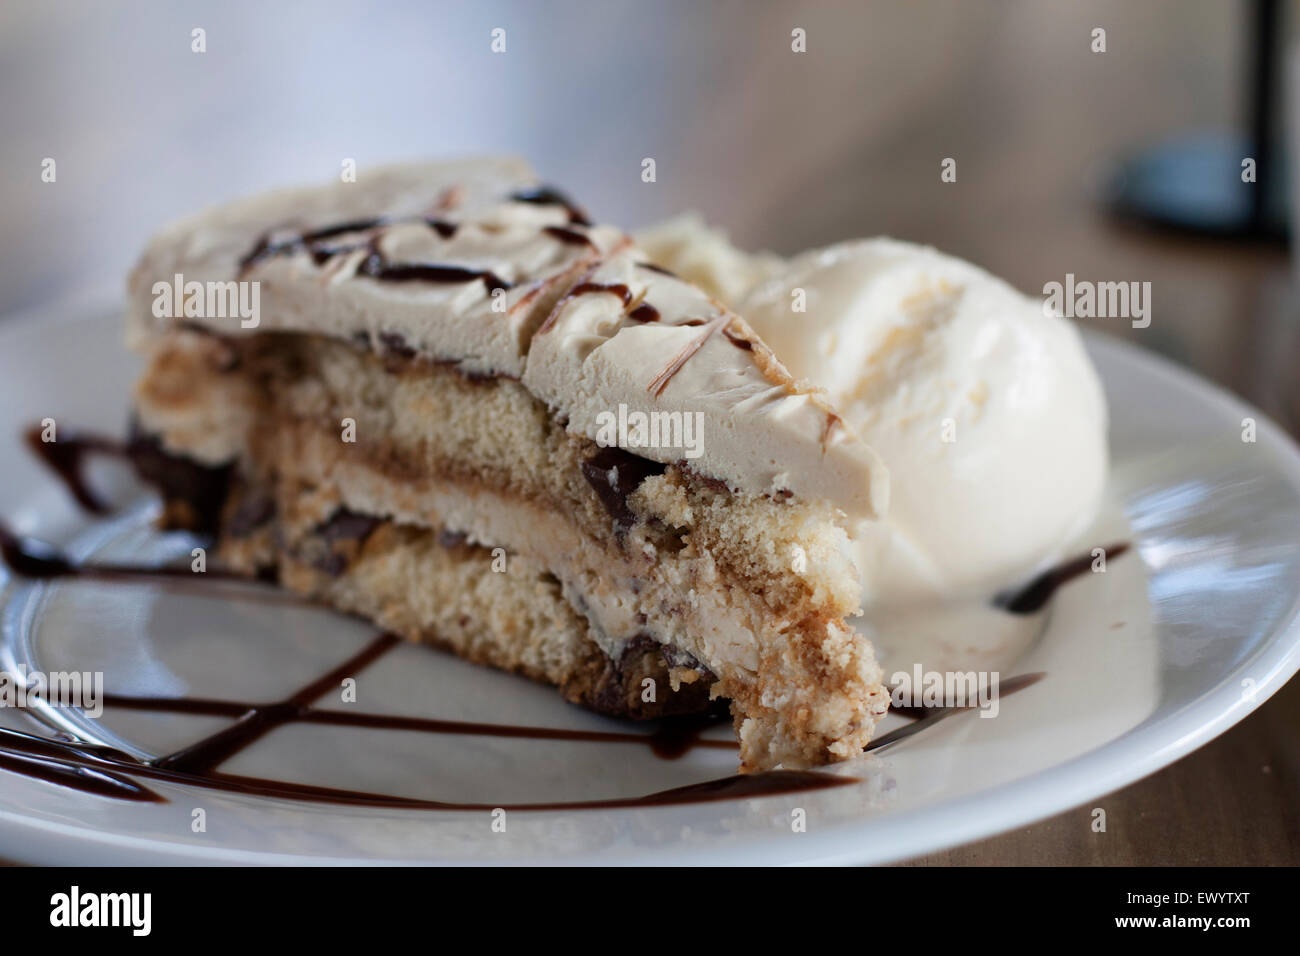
{"x":987,"y":412}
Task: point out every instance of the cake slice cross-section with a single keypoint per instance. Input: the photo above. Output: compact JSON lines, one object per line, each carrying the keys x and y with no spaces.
{"x":470,"y":415}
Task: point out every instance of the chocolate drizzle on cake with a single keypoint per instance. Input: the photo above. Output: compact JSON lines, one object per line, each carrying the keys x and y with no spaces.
{"x":570,"y":236}
{"x":550,"y":196}
{"x":443,"y":228}
{"x":613,"y":288}
{"x":586,"y":288}
{"x":659,"y":269}
{"x":739,"y":341}
{"x":313,"y":240}
{"x":333,"y":232}
{"x":376,"y":266}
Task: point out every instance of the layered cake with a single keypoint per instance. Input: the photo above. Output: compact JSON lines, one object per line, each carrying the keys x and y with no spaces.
{"x":451,"y":404}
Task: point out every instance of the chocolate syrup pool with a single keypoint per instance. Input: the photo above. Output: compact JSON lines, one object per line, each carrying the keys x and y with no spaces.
{"x":107,"y":772}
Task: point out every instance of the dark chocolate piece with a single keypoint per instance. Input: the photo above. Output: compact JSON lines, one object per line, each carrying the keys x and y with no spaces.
{"x":253,"y":512}
{"x":618,"y":691}
{"x":614,"y":474}
{"x":395,"y":344}
{"x":343,"y":535}
{"x":451,"y":539}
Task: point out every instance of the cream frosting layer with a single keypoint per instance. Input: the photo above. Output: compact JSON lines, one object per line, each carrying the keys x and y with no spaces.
{"x":630,"y":335}
{"x":464,"y":262}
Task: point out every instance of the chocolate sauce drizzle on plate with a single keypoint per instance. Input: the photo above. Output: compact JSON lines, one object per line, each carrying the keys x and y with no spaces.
{"x":925,"y":717}
{"x":102,"y":771}
{"x":108,"y":772}
{"x":67,"y":459}
{"x":87,"y":768}
{"x":105,"y":771}
{"x":1033,"y":597}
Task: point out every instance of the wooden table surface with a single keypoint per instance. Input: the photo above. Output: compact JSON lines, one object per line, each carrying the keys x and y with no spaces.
{"x":786,"y":150}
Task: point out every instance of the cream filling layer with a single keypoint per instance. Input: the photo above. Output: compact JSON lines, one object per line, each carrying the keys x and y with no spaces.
{"x":683,"y":601}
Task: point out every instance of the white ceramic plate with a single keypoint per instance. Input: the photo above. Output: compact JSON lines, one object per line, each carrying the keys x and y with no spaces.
{"x":1179,"y":639}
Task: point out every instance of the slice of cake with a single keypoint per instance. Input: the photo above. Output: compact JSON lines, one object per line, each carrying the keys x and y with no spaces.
{"x":442,"y":399}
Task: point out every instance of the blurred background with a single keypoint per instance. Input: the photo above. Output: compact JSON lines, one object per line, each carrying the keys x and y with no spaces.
{"x":784,"y":150}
